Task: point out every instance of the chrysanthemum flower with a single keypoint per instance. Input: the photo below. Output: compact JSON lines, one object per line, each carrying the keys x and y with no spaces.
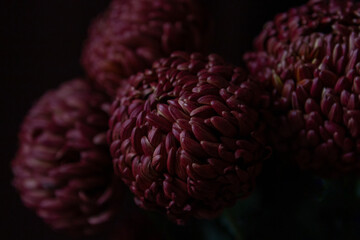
{"x":187,"y":136}
{"x":131,"y":35}
{"x":63,"y":167}
{"x":308,"y":58}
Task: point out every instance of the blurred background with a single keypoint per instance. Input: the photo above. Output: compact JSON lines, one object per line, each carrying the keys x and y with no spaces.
{"x":40,"y":46}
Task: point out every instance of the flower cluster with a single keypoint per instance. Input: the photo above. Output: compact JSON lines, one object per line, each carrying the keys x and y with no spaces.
{"x":188,"y":133}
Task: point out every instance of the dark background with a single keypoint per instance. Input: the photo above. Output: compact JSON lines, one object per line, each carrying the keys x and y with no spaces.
{"x":40,"y":46}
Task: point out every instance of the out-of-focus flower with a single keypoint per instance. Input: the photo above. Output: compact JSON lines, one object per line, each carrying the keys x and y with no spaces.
{"x":131,"y":35}
{"x":187,"y":137}
{"x":309,"y":59}
{"x":63,"y":167}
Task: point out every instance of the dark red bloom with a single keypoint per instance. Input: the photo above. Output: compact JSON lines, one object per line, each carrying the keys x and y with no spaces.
{"x":322,"y":16}
{"x":131,"y":35}
{"x":63,"y":166}
{"x":186,"y":139}
{"x":309,"y":59}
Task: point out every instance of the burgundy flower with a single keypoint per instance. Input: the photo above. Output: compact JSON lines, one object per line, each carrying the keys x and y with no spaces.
{"x":130,"y":35}
{"x":186,"y":139}
{"x":63,"y":168}
{"x":323,"y":16}
{"x":309,"y":59}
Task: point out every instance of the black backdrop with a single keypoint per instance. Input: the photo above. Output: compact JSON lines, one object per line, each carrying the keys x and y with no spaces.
{"x":40,"y":44}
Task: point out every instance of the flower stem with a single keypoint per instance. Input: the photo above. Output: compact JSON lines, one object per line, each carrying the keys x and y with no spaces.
{"x":231,"y":223}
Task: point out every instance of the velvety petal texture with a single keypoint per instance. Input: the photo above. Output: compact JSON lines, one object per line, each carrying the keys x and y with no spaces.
{"x":187,"y":136}
{"x":308,"y":58}
{"x":132,"y":34}
{"x":63,"y":167}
